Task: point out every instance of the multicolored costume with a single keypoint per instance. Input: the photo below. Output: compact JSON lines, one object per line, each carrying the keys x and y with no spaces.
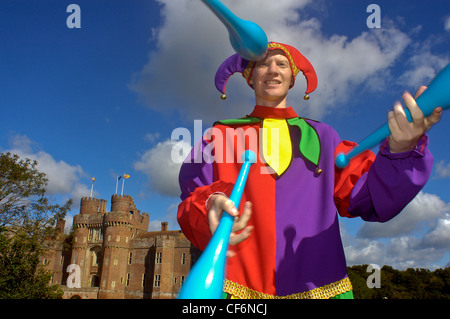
{"x":295,"y":249}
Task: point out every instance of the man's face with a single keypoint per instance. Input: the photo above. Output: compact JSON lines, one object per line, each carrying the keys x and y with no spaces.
{"x":271,"y":79}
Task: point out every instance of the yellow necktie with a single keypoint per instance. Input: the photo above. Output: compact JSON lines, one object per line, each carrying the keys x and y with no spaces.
{"x":276,"y":144}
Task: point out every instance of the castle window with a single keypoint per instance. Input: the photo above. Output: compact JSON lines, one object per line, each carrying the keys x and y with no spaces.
{"x":130,"y":256}
{"x":157,"y":281}
{"x":95,"y":281}
{"x":183,"y":258}
{"x":97,"y":234}
{"x":144,"y":277}
{"x":158,"y":258}
{"x":128,"y":280}
{"x":182,"y":280}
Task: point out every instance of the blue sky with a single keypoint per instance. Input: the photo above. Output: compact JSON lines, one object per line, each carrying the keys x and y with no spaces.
{"x":102,"y":100}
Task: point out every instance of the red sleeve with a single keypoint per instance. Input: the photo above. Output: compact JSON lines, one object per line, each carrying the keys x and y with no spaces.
{"x":346,"y":178}
{"x":192,"y":215}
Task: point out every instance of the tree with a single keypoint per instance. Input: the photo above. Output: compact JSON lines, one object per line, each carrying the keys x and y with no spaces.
{"x":27,"y":229}
{"x":402,"y":284}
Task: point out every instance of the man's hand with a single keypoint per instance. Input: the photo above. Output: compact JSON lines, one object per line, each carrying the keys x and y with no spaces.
{"x":217,"y":204}
{"x":404,"y":134}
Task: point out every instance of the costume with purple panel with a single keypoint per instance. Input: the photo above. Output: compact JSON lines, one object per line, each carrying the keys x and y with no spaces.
{"x":295,"y":249}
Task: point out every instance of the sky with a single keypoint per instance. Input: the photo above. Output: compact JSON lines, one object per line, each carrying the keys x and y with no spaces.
{"x":102,"y":98}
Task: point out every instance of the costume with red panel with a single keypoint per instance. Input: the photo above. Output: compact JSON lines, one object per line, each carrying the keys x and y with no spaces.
{"x":295,"y":249}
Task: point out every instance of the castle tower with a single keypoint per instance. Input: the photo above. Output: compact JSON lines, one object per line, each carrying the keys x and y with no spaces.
{"x":117,"y":236}
{"x":89,"y":206}
{"x":87,"y":240}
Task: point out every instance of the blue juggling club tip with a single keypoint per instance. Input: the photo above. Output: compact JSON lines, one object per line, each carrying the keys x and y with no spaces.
{"x":249,"y":156}
{"x":341,"y":160}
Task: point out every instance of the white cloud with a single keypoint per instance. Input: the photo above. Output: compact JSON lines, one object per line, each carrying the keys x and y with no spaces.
{"x":439,"y":236}
{"x":162,"y":172}
{"x":418,"y":237}
{"x":364,"y":252}
{"x":447,"y":24}
{"x":442,"y":170}
{"x":423,"y":67}
{"x":170,"y":216}
{"x":152,"y":137}
{"x":421,"y":212}
{"x":63,"y":178}
{"x":192,"y":43}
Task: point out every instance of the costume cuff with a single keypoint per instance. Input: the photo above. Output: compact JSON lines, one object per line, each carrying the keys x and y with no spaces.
{"x":215,"y":193}
{"x":418,"y":151}
{"x":202,"y":195}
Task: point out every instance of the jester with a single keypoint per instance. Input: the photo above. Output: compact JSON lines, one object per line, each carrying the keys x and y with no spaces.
{"x":286,"y":241}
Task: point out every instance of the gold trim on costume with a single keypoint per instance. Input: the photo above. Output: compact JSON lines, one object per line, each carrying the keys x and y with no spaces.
{"x":324,"y":292}
{"x":295,"y":70}
{"x":247,"y":70}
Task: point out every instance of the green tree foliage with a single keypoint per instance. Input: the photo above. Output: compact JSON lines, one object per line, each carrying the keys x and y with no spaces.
{"x":411,"y":283}
{"x":27,"y":229}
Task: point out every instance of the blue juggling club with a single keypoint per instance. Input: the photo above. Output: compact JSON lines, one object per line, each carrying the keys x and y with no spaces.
{"x":437,"y":94}
{"x":246,"y":37}
{"x":205,"y":280}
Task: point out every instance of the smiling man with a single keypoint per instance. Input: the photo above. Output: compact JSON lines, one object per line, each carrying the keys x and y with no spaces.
{"x":272,"y":78}
{"x":286,"y":241}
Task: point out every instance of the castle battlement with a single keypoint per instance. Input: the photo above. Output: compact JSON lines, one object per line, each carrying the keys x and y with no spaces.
{"x":123,"y":212}
{"x":89,"y":205}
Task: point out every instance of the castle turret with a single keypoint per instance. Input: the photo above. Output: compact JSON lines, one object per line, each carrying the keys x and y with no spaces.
{"x":122,"y":203}
{"x":89,"y":206}
{"x":118,"y":233}
{"x":87,"y":235}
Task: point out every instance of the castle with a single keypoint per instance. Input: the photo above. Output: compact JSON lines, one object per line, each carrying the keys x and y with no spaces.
{"x":114,"y":256}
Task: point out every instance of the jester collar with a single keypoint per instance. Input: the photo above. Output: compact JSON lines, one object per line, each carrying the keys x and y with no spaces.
{"x":280,"y":119}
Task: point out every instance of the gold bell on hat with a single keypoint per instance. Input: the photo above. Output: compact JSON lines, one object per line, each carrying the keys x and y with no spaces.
{"x":318,"y":171}
{"x":306,"y":97}
{"x":223,"y":96}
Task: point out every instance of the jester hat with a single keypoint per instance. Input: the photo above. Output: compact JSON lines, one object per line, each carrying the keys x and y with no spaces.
{"x":236,"y":63}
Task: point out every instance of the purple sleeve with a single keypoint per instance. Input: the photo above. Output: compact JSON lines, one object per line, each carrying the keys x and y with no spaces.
{"x":391,"y":183}
{"x":196,"y":170}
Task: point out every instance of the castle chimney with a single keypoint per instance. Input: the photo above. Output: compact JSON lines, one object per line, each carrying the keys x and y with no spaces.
{"x":60,"y":224}
{"x":164,"y":226}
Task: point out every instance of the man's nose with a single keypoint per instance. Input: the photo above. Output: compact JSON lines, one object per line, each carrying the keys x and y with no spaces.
{"x":273,"y":68}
